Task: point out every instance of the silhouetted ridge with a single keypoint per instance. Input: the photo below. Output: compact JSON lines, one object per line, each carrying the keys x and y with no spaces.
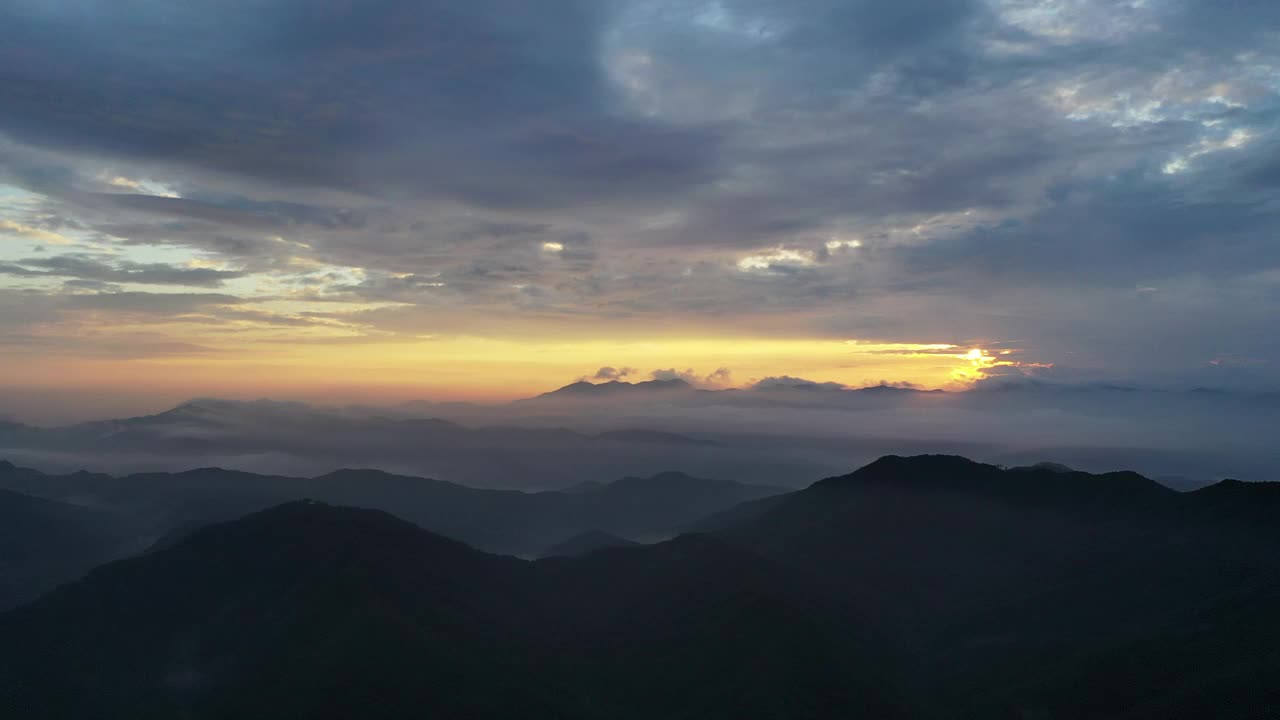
{"x":315,"y":535}
{"x":1053,"y":466}
{"x":166,"y":507}
{"x":1036,"y":484}
{"x":1239,"y":502}
{"x":310,"y":610}
{"x":926,"y":587}
{"x":300,"y":610}
{"x":923,"y":470}
{"x":587,"y":542}
{"x":365,"y":475}
{"x":308,"y":511}
{"x":585,"y":389}
{"x":1239,"y":489}
{"x":45,"y":542}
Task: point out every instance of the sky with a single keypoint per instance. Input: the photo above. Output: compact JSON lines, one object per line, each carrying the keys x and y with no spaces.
{"x":387,"y":199}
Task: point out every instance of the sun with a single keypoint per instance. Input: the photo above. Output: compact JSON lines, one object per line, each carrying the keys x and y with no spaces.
{"x":978,"y":361}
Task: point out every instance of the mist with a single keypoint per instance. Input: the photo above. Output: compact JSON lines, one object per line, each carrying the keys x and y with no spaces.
{"x":784,"y":431}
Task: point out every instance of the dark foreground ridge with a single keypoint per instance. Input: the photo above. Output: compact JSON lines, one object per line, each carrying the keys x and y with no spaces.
{"x":927,"y":587}
{"x":309,"y":610}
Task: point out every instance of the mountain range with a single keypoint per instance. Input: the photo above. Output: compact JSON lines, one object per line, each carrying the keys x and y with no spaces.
{"x":100,"y":517}
{"x":921,"y":587}
{"x":778,"y":431}
{"x":291,"y":438}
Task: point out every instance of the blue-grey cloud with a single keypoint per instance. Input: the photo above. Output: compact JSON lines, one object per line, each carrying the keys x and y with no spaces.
{"x":82,"y":267}
{"x":1055,"y":171}
{"x":380,"y":97}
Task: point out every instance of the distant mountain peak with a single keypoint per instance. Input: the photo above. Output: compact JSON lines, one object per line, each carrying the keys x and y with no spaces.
{"x":324,"y":525}
{"x":671,"y":475}
{"x":580,"y":386}
{"x":199,"y":403}
{"x":886,"y":389}
{"x":1052,"y":467}
{"x":1239,"y":488}
{"x":583,"y":388}
{"x":1042,"y":483}
{"x":210,"y":407}
{"x":892,"y":464}
{"x":357,"y":471}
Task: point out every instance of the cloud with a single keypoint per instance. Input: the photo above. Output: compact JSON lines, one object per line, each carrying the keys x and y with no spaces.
{"x":787,"y":381}
{"x":718,"y":378}
{"x":672,"y":374}
{"x":899,"y":384}
{"x":463,"y":86}
{"x":932,"y":172}
{"x":84,"y":267}
{"x":35,"y":233}
{"x":777,"y":259}
{"x":612,"y":373}
{"x":146,"y":303}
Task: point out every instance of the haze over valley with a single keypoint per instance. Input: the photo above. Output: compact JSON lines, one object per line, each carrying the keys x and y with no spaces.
{"x":783,"y":431}
{"x":640,"y":359}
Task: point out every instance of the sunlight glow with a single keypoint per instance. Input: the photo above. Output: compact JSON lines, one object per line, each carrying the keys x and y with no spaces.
{"x":264,"y":359}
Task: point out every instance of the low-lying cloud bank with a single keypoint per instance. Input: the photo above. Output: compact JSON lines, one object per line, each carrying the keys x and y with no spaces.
{"x":780,"y":430}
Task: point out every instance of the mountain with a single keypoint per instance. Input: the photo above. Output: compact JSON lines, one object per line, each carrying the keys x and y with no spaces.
{"x":614,"y":388}
{"x":290,"y":438}
{"x":307,"y":610}
{"x":43,"y":543}
{"x":928,"y":587}
{"x":299,"y":611}
{"x":585,"y":543}
{"x":1033,"y":592}
{"x":778,"y":431}
{"x":169,"y":505}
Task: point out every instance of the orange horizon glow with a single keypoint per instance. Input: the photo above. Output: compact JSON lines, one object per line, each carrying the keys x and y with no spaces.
{"x":481,"y":369}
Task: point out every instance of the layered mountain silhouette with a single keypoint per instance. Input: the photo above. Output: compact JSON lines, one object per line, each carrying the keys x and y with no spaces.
{"x":915,"y":587}
{"x":586,"y":543}
{"x":43,"y":543}
{"x":294,"y":438}
{"x":162,"y":507}
{"x":307,"y":610}
{"x":1034,"y":592}
{"x":777,"y":431}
